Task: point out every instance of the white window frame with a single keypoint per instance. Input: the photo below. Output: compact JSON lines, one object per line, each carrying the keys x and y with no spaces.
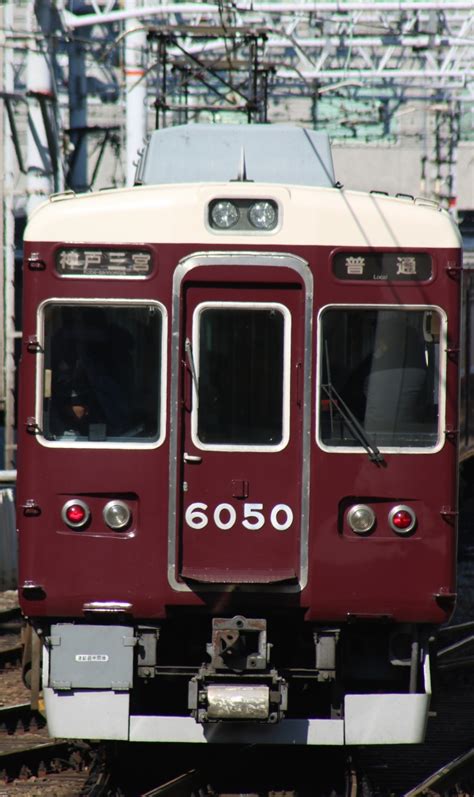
{"x":286,"y":375}
{"x":94,"y":444}
{"x":441,"y":379}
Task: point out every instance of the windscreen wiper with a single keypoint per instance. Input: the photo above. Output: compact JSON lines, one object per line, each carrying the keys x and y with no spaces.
{"x":354,"y":426}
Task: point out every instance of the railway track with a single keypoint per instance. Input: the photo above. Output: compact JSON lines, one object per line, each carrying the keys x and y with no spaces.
{"x":11,"y":647}
{"x":9,"y":614}
{"x":28,"y":754}
{"x":70,"y":769}
{"x":182,"y":786}
{"x":11,"y":655}
{"x":184,"y":771}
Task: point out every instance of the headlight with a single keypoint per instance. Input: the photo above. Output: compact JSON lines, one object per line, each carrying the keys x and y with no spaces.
{"x":361,"y":518}
{"x":263,"y":215}
{"x":224,"y":215}
{"x":243,"y":214}
{"x":117,"y":515}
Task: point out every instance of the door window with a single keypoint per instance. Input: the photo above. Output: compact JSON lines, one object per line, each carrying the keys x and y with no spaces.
{"x":242,"y":375}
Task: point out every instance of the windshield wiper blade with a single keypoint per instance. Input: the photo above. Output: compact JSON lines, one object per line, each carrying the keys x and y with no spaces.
{"x":353,"y":424}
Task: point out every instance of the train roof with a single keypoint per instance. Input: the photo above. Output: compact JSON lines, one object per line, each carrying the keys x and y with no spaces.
{"x":178,"y":214}
{"x":197,"y":153}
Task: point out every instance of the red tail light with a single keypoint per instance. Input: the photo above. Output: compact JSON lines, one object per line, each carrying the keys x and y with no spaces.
{"x":75,"y":513}
{"x":402,"y":519}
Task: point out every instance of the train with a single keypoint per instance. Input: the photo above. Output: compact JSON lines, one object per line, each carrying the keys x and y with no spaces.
{"x":238,"y":447}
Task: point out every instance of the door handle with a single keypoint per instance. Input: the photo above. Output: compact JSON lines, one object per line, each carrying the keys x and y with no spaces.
{"x":191,"y":458}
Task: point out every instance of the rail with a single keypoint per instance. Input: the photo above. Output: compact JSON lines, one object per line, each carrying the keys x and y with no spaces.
{"x":8,"y":537}
{"x":7,"y":476}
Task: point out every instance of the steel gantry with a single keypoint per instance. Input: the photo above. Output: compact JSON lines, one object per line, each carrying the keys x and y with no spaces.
{"x":168,"y":62}
{"x":184,"y":59}
{"x":410,"y":44}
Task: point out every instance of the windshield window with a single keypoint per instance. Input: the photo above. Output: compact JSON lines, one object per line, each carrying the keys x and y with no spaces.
{"x":241,"y":375}
{"x":384,"y":365}
{"x":102,"y":372}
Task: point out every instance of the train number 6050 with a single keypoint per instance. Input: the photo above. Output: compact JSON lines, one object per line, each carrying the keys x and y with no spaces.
{"x":225,"y":516}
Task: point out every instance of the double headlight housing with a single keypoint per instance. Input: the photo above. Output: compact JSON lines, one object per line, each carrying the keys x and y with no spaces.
{"x":245,"y":215}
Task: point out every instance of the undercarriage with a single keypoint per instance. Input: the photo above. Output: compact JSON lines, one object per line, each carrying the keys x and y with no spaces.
{"x":282,"y":682}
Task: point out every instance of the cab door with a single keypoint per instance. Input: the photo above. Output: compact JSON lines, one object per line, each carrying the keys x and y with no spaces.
{"x":240,"y":516}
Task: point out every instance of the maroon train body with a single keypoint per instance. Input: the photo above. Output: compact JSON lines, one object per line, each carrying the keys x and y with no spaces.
{"x":238,"y":448}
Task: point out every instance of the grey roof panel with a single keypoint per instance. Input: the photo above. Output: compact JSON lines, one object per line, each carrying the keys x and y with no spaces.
{"x":202,"y":153}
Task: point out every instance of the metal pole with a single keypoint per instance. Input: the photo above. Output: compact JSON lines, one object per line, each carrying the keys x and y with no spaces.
{"x":135,"y":88}
{"x":7,"y":476}
{"x":455,"y":114}
{"x":8,"y":371}
{"x":334,"y":6}
{"x":77,"y":91}
{"x":39,"y":81}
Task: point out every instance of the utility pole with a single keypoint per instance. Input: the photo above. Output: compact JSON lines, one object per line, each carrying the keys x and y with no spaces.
{"x":446,"y":134}
{"x":41,"y":146}
{"x":77,"y":178}
{"x":135,"y":89}
{"x":8,"y":252}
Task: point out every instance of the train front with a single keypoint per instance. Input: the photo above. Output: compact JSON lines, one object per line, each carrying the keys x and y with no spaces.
{"x":238,"y":448}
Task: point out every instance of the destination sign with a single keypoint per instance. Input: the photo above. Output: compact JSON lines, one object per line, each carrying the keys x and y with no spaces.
{"x":382,"y":266}
{"x":74,"y":262}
